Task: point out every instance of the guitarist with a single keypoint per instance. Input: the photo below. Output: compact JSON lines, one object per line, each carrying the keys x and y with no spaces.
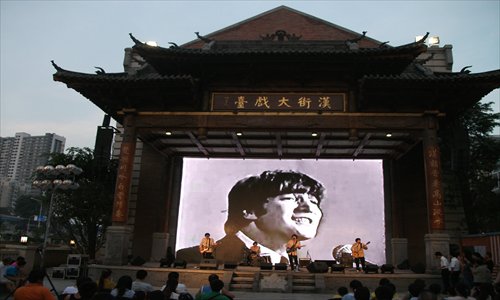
{"x":291,"y":248}
{"x":207,"y":246}
{"x":358,"y":253}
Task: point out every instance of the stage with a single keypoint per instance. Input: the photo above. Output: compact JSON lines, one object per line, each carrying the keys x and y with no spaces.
{"x":255,"y":279}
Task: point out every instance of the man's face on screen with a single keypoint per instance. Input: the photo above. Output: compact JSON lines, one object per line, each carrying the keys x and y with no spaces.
{"x":293,"y":213}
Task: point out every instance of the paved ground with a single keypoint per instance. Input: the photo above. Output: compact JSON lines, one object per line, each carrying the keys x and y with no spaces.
{"x":60,"y":284}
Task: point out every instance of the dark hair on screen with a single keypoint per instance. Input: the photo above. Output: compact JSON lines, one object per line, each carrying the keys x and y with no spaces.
{"x":251,"y":193}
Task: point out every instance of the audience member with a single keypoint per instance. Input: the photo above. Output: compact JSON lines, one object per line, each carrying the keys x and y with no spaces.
{"x":383,"y":292}
{"x":206,"y":289}
{"x":105,"y":282}
{"x":72,"y":292}
{"x":354,"y":284}
{"x":454,"y":270}
{"x":123,"y":288}
{"x":139,"y":284}
{"x":34,"y":289}
{"x":169,"y":290}
{"x":362,"y":293}
{"x":15,"y":273}
{"x":4,"y":264}
{"x":216,"y":286}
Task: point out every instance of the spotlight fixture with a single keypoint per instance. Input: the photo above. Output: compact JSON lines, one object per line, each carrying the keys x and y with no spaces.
{"x":314,"y":134}
{"x":24,"y":239}
{"x":168,"y":132}
{"x":388,"y":134}
{"x":239,"y":133}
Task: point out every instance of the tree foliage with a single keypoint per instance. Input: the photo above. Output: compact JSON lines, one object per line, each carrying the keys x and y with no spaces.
{"x":472,"y":154}
{"x":84,"y":214}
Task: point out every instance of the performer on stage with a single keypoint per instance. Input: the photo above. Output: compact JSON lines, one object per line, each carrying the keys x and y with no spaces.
{"x":254,"y":258}
{"x":207,"y":246}
{"x":358,"y":253}
{"x":291,"y":248}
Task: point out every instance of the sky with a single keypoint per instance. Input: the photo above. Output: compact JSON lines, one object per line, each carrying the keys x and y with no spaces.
{"x":79,"y":35}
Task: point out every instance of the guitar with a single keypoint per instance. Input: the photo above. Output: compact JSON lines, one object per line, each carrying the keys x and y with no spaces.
{"x":292,"y":249}
{"x":209,"y":249}
{"x":356,"y":252}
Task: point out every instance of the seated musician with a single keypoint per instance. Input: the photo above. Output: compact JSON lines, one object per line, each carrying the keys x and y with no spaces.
{"x":254,"y":253}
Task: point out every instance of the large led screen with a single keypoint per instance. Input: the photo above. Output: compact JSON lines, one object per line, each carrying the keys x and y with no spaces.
{"x":352,"y":205}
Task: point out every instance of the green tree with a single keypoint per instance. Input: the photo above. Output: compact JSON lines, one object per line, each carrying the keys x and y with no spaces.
{"x":84,"y":214}
{"x":472,"y":154}
{"x":26,"y":206}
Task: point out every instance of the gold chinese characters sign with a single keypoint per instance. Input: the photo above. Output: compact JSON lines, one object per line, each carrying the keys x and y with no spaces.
{"x":434,"y":191}
{"x":313,"y":102}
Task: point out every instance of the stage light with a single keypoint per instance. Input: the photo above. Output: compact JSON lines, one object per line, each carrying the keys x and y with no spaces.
{"x":24,"y":239}
{"x":168,"y":132}
{"x":72,"y":243}
{"x":239,"y":133}
{"x":388,"y":134}
{"x":314,"y":134}
{"x":433,"y":41}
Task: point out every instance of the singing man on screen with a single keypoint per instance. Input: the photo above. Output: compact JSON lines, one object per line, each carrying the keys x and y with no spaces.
{"x":267,"y":208}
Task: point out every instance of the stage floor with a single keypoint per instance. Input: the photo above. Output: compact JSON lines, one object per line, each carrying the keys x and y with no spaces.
{"x":253,"y":279}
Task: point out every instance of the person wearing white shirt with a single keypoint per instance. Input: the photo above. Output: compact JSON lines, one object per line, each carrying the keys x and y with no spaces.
{"x":445,"y":271}
{"x":454,"y":270}
{"x":139,"y":284}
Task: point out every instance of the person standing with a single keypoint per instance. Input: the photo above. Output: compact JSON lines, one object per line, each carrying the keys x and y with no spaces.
{"x":454,"y":270}
{"x":207,"y":246}
{"x":445,"y":272}
{"x":291,"y":248}
{"x":358,"y":253}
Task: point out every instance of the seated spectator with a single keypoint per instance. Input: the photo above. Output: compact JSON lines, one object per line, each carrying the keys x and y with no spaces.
{"x":105,"y":282}
{"x":341,"y":292}
{"x":34,"y":289}
{"x":123,"y":288}
{"x":73,"y":293}
{"x":362,"y":293}
{"x":207,"y":289}
{"x":169,"y":290}
{"x":354,"y":284}
{"x":139,"y":284}
{"x":14,"y":273}
{"x":4,"y":264}
{"x":216,"y":286}
{"x":383,"y":292}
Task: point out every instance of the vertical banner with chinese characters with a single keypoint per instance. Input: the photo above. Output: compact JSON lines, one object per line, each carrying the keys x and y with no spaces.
{"x":435,"y":198}
{"x":124,"y":177}
{"x":304,"y":102}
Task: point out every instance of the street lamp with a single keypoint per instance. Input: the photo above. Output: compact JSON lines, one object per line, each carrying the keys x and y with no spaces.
{"x":50,"y":178}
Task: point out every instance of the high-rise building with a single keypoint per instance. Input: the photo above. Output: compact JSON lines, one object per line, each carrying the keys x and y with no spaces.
{"x":19,"y":157}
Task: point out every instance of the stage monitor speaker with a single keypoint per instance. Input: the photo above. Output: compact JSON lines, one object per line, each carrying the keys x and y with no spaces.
{"x":317,"y":267}
{"x":338,"y":268}
{"x":418,"y":268}
{"x":179,"y":264}
{"x":387,"y":268}
{"x":137,"y":261}
{"x":329,"y":262}
{"x":266,"y":266}
{"x":280,"y":267}
{"x":304,"y":262}
{"x":230,"y":265}
{"x":371,"y":269}
{"x":207,"y":264}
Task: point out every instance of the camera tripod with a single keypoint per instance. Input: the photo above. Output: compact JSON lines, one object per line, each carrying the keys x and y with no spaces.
{"x":40,"y":252}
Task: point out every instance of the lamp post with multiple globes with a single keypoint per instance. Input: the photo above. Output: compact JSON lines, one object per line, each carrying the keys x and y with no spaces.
{"x":50,"y":179}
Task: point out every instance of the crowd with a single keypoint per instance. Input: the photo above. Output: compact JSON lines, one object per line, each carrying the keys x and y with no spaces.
{"x":464,"y":277}
{"x":105,"y":288}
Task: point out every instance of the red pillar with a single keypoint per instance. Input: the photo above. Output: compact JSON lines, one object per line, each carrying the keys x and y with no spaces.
{"x":433,"y":183}
{"x":124,"y":177}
